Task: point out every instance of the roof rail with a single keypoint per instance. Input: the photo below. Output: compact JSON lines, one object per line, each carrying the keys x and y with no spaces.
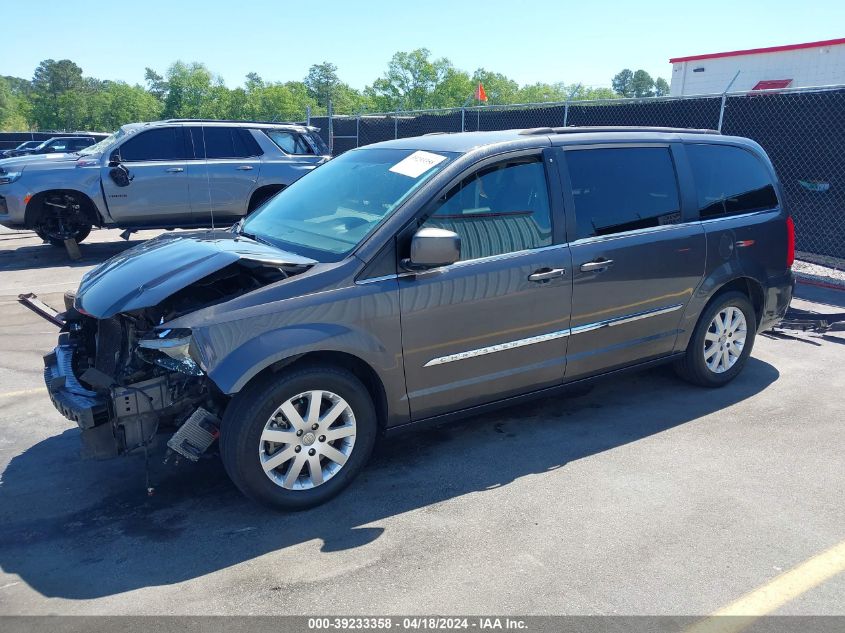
{"x":613,"y":128}
{"x":231,"y":121}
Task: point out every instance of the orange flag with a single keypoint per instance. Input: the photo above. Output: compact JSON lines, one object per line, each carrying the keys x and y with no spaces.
{"x":480,"y":94}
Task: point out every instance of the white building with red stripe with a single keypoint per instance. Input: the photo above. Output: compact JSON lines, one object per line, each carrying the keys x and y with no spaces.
{"x":791,"y":66}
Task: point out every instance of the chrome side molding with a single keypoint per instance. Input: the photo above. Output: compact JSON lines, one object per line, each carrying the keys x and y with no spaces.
{"x":542,"y":338}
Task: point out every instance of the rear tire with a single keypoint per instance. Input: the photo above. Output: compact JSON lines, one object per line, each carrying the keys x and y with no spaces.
{"x":271,"y":450}
{"x":721,"y":342}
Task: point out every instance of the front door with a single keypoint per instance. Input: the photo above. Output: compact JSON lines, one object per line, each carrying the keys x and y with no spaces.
{"x":494,"y":324}
{"x":157,"y":193}
{"x":635,"y":261}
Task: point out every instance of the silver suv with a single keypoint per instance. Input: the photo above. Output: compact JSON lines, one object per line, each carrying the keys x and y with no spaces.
{"x":164,"y":174}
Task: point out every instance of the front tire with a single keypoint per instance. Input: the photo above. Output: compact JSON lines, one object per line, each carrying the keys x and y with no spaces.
{"x":63,"y":216}
{"x":294,"y":440}
{"x":721,"y":343}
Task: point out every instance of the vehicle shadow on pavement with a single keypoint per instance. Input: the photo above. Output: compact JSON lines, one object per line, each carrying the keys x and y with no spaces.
{"x":79,"y":530}
{"x":32,"y":257}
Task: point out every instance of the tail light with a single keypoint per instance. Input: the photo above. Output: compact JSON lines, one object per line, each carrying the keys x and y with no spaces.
{"x":790,"y":242}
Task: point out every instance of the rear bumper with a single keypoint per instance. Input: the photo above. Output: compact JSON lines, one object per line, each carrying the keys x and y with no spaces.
{"x":776,"y":302}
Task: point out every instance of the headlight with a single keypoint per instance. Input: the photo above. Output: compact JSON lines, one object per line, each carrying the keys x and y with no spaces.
{"x":7,"y":177}
{"x":170,"y":349}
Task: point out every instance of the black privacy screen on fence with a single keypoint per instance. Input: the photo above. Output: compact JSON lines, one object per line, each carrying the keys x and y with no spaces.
{"x":803,"y":133}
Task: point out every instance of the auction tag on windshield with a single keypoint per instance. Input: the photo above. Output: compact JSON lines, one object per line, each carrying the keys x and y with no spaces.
{"x":417,"y":164}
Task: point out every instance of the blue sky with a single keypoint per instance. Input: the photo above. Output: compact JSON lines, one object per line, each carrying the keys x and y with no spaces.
{"x":530,"y":41}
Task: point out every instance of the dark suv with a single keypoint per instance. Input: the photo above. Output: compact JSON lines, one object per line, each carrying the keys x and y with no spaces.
{"x":423,"y":279}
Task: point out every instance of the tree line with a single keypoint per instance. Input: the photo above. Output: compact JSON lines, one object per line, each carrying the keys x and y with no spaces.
{"x":60,"y":97}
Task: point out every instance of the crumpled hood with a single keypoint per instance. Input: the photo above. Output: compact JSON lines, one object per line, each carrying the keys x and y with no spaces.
{"x":145,"y":275}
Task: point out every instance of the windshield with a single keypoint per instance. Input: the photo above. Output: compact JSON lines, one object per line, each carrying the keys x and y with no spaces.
{"x":327,"y":213}
{"x":44,"y":145}
{"x":97,"y":148}
{"x":28,"y":144}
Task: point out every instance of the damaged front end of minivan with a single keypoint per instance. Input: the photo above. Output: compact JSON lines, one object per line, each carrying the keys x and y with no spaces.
{"x":120,"y":372}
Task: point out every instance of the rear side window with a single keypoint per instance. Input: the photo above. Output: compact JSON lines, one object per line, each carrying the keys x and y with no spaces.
{"x":165,"y":143}
{"x":289,"y":142}
{"x":623,"y":189}
{"x":224,"y":142}
{"x":729,"y":181}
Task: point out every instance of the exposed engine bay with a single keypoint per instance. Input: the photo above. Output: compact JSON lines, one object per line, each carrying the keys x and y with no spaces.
{"x":127,"y":377}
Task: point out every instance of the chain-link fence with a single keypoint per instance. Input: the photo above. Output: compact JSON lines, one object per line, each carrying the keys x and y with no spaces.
{"x":802,"y":130}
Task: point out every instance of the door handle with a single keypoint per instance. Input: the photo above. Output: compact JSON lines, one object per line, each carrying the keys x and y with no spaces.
{"x":597,"y":266}
{"x":244,"y":168}
{"x":545,"y":274}
{"x":175,"y":170}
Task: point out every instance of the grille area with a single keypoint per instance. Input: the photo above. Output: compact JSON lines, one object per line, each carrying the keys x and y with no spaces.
{"x":109,"y":338}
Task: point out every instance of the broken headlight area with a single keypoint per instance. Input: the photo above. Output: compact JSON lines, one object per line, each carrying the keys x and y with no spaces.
{"x":122,"y":382}
{"x":171,"y":350}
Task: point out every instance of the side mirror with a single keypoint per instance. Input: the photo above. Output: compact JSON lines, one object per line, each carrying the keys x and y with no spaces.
{"x":432,"y":248}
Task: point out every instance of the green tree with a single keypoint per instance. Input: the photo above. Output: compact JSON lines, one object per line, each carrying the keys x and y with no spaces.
{"x":642,"y":84}
{"x":543,"y":93}
{"x":118,"y":103}
{"x":627,"y":83}
{"x":8,"y":106}
{"x":322,"y":83}
{"x":622,"y":83}
{"x":156,"y":85}
{"x":188,"y":88}
{"x":410,"y":80}
{"x":56,"y":88}
{"x":500,"y":89}
{"x":453,"y":89}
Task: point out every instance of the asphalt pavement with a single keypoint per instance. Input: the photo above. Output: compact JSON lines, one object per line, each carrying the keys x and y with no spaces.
{"x":645,"y":496}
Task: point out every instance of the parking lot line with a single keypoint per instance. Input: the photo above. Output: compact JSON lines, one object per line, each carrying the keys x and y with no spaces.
{"x":22,"y":392}
{"x":775,"y":593}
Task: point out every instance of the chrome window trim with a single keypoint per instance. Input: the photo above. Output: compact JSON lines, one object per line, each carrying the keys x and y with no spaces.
{"x":542,"y":338}
{"x":503,"y":256}
{"x":724,"y":218}
{"x":467,"y":262}
{"x":373,"y":280}
{"x":646,"y":231}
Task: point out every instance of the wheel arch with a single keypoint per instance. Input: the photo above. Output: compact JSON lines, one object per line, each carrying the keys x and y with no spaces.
{"x":747,"y":286}
{"x":35,"y":205}
{"x":261,"y":194}
{"x":705,"y":295}
{"x":355,"y":365}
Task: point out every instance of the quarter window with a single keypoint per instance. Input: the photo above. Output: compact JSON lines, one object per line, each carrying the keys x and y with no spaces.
{"x":159,"y":144}
{"x":729,"y":180}
{"x":623,"y":189}
{"x":500,"y":209}
{"x":289,"y":142}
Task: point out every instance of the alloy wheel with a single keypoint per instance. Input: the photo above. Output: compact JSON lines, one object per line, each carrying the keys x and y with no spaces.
{"x":307,"y":440}
{"x":725,"y":339}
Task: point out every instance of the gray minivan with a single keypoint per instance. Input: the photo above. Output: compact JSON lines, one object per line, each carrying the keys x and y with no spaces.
{"x":420,"y":280}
